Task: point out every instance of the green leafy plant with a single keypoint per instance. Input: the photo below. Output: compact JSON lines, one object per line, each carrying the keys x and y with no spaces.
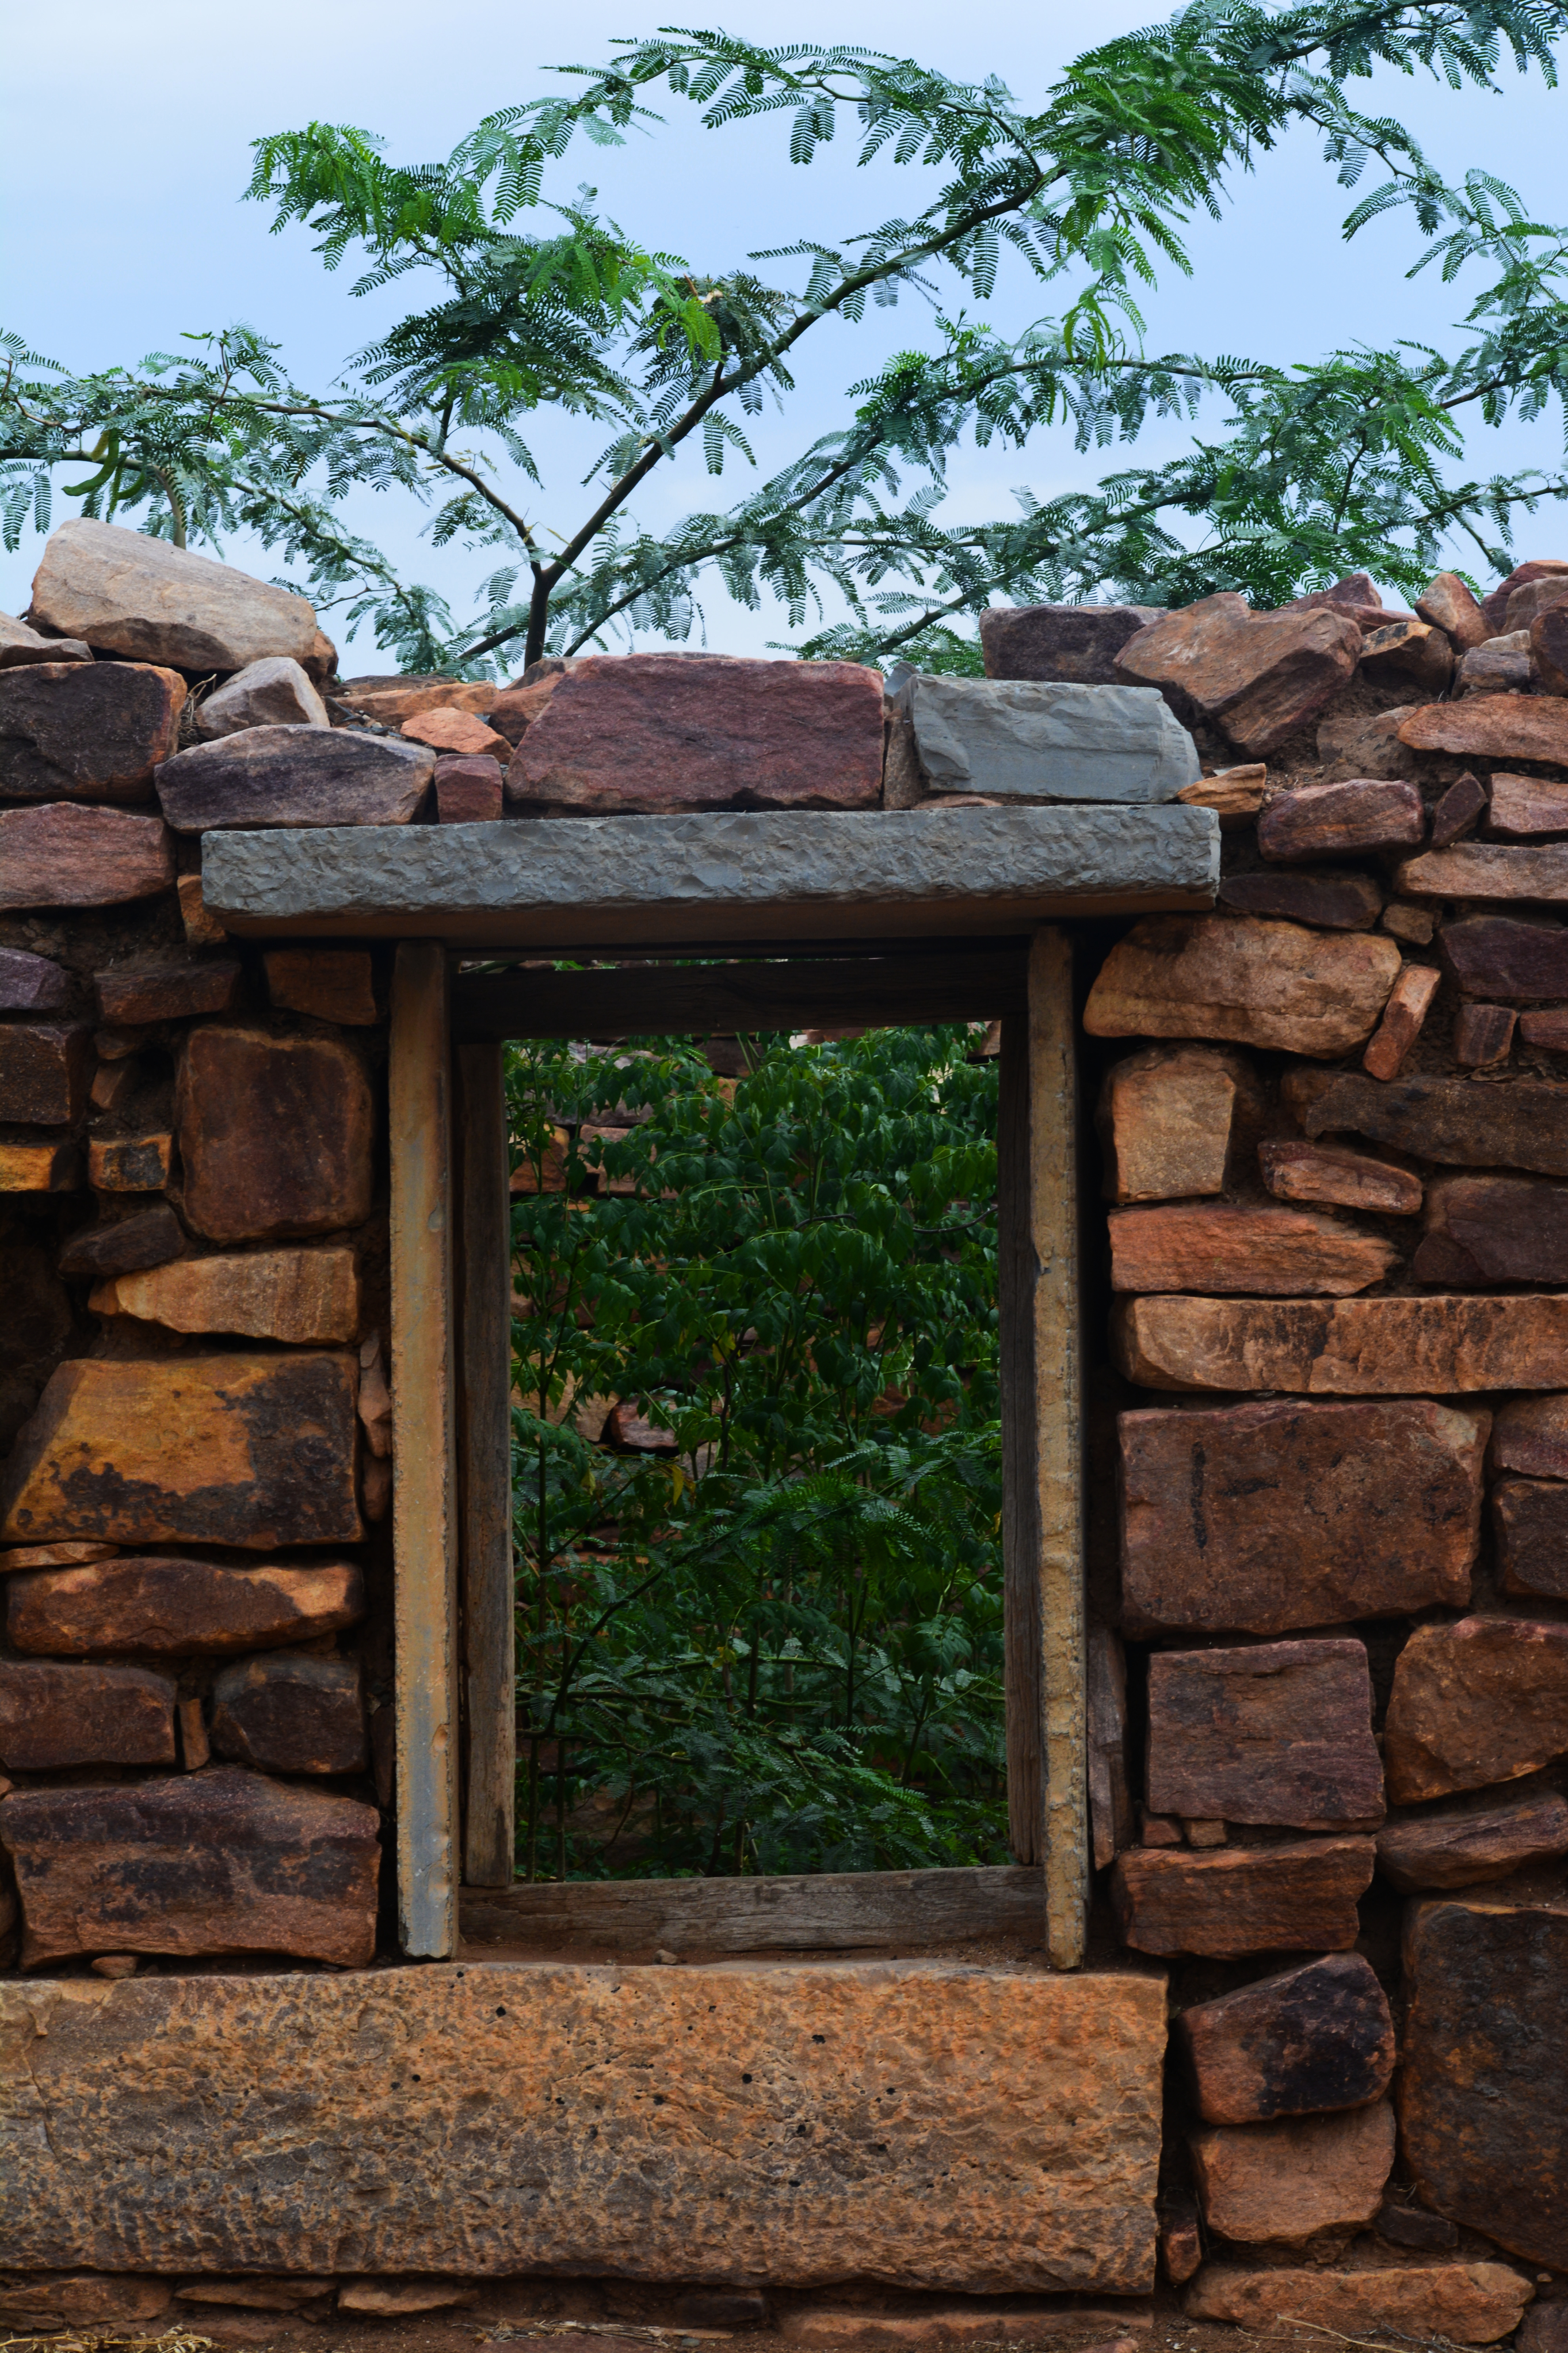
{"x":767,"y":1636}
{"x":1355,"y":458}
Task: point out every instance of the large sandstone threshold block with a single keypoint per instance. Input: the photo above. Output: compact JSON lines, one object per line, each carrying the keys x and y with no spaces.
{"x":929,"y":2126}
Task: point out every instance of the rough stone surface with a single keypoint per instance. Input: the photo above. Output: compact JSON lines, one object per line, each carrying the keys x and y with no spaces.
{"x":131,"y":1163}
{"x":43,"y":1072}
{"x":1336,"y":902}
{"x":1461,"y":1845}
{"x":1404,"y":1017}
{"x":1311,"y":2040}
{"x":469,"y":789}
{"x":1352,"y":742}
{"x":1549,"y":650}
{"x":1530,"y":1434}
{"x":1166,"y":1119}
{"x":1348,"y":819}
{"x":1351,"y":1347}
{"x":39,"y":1167}
{"x":646,"y":733}
{"x":1526,"y":809}
{"x":275,"y":692}
{"x":295,"y":777}
{"x":595,"y":2120}
{"x":1478,"y":1701}
{"x":1260,"y":983}
{"x":52,"y":1717}
{"x":1471,"y":2303}
{"x":1544,"y":2329}
{"x":1327,"y":1172}
{"x":298,"y":1295}
{"x":125,"y":593}
{"x":255,"y":1451}
{"x":1461,"y":808}
{"x":218,"y":1862}
{"x":1258,"y":677}
{"x":1521,"y":1125}
{"x":1490,"y":870}
{"x":86,"y":730}
{"x":177,"y":1607}
{"x":1279,"y":1734}
{"x":122,"y":1245}
{"x":1493,"y":955}
{"x":1261,"y":1518}
{"x":1491,"y":727}
{"x":290,"y":1715}
{"x":1409,"y":650}
{"x":131,"y":993}
{"x":1076,"y":642}
{"x":1235,"y":1246}
{"x":767,"y":875}
{"x":1254,"y":1899}
{"x":1495,"y":605}
{"x":59,"y":855}
{"x":393,"y":700}
{"x":1494,"y":1229}
{"x":393,"y":2297}
{"x":1285,"y":2181}
{"x":47,"y":2301}
{"x":31,"y":983}
{"x":20,"y":645}
{"x":456,"y":731}
{"x":1024,"y":741}
{"x":1483,"y":2089}
{"x":1450,"y":606}
{"x":1483,"y":1034}
{"x":275,"y":1134}
{"x":332,"y":984}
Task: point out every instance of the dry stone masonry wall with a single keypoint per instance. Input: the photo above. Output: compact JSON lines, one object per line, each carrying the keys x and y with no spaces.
{"x":1328,"y":1377}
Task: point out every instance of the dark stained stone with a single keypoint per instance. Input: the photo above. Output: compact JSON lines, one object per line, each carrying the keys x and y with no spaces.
{"x":222,"y":1860}
{"x":1261,"y":1518}
{"x":291,"y":1714}
{"x":45,"y":1068}
{"x":1341,"y":820}
{"x":31,"y":983}
{"x":86,"y":730}
{"x":1462,"y":1844}
{"x":1312,"y":2039}
{"x":1297,"y":1896}
{"x":1412,"y":2226}
{"x":1279,"y":1732}
{"x":1530,"y":1434}
{"x":1546,"y":1030}
{"x":123,"y":1245}
{"x":295,"y":777}
{"x":1466,"y":1122}
{"x":1493,"y":955}
{"x":275,"y":1133}
{"x":1488,"y":2017}
{"x":129,"y":994}
{"x":1530,"y":1521}
{"x":1458,"y":811}
{"x":1486,"y":1230}
{"x":1335,"y":903}
{"x":176,"y":1605}
{"x":53,"y":1716}
{"x":1483,"y":1034}
{"x":1077,"y":642}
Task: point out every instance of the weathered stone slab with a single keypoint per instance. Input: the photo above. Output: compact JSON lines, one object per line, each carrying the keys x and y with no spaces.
{"x":796,"y":874}
{"x":1415,"y":650}
{"x":149,"y":601}
{"x":1494,"y":1229}
{"x":1235,"y":794}
{"x":53,"y":1716}
{"x":1285,"y":2181}
{"x":1545,"y":1029}
{"x":47,"y":2301}
{"x":1468,"y":2304}
{"x":1260,"y":983}
{"x":1257,"y":675}
{"x":1279,"y":1734}
{"x":1521,"y":1125}
{"x":255,"y":1451}
{"x":218,"y":1862}
{"x":1461,"y":1845}
{"x":1488,"y":1983}
{"x":39,"y":1167}
{"x":1166,"y":1119}
{"x":1251,"y":1899}
{"x":32,"y":984}
{"x":1047,"y":742}
{"x":1347,"y":819}
{"x":1310,"y":2041}
{"x":178,"y":1606}
{"x":1461,"y":808}
{"x":120,"y":1245}
{"x":1404,"y":1015}
{"x":54,"y":1555}
{"x":20,"y":645}
{"x":645,"y":733}
{"x":1491,"y":955}
{"x":275,"y":1134}
{"x":1335,"y":903}
{"x":1487,"y":869}
{"x":1349,"y":1348}
{"x":1076,"y":642}
{"x":43,"y":1072}
{"x":1237,"y":1246}
{"x":86,"y":730}
{"x":295,"y":777}
{"x":131,"y":994}
{"x":273,"y":692}
{"x":1491,"y":727}
{"x":1530,"y":1434}
{"x":1352,"y":742}
{"x":456,"y":731}
{"x":331,"y":983}
{"x":1483,"y":1034}
{"x":1260,"y":1518}
{"x":554,"y":2117}
{"x":289,"y":1715}
{"x":1326,"y":1172}
{"x":1495,"y":604}
{"x":469,"y":789}
{"x":393,"y":699}
{"x":59,"y":855}
{"x":298,"y":1295}
{"x":1482,"y":1700}
{"x":1525,"y":808}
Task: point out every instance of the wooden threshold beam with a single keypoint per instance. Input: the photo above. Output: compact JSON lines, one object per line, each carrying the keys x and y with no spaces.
{"x":701,"y":999}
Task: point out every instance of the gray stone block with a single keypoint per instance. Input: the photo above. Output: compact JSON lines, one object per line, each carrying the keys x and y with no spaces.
{"x":730,"y":876}
{"x":1049,"y":740}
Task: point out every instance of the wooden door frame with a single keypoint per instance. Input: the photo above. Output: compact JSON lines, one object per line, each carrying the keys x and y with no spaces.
{"x":450,"y":1355}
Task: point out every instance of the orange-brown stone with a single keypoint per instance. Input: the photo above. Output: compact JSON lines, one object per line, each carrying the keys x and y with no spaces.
{"x":1286,"y":2179}
{"x":1260,"y":983}
{"x":176,"y":1605}
{"x":1254,"y":1899}
{"x":1470,"y":2303}
{"x":1236,"y":1246}
{"x":1344,"y":1347}
{"x":1482,"y":1700}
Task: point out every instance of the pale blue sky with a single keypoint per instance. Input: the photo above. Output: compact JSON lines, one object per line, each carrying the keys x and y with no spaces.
{"x":124,"y":147}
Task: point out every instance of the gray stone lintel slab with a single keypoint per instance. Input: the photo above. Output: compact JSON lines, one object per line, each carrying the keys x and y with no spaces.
{"x":792,"y":874}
